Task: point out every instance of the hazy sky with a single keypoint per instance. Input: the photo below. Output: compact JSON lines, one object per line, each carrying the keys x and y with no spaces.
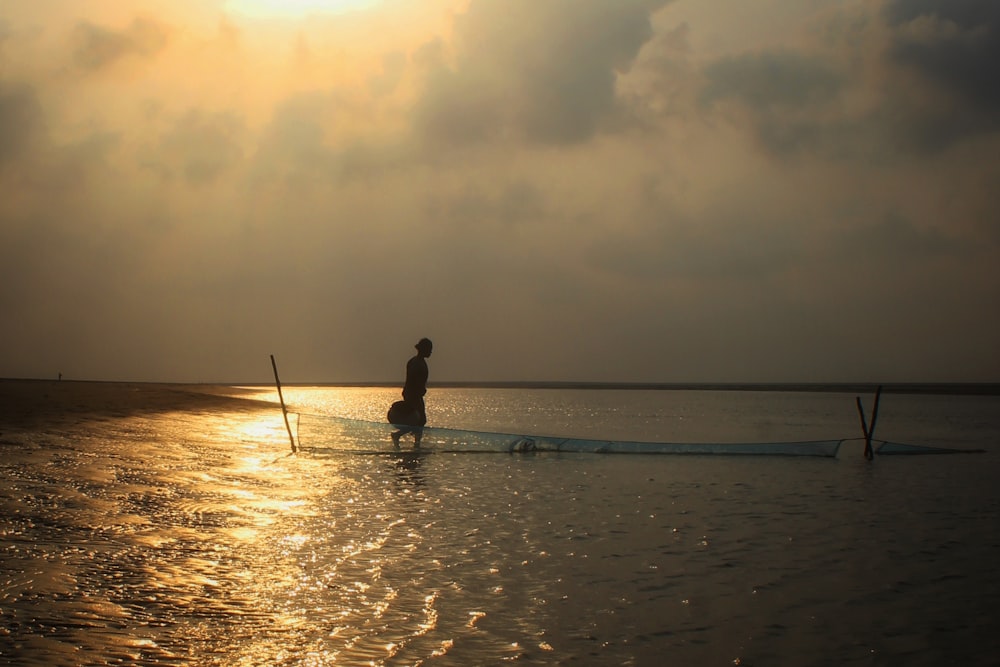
{"x":607,"y":190}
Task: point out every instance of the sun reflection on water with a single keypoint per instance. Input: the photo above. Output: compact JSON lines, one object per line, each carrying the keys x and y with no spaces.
{"x":197,"y":537}
{"x":214,"y":540}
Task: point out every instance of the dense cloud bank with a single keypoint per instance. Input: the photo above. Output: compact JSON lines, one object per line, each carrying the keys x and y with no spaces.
{"x":565,"y":190}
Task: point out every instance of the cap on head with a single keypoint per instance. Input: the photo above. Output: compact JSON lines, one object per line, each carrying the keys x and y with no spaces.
{"x":424,"y":344}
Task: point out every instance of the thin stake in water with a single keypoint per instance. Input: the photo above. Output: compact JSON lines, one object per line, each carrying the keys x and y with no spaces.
{"x":869,"y":430}
{"x":284,"y":410}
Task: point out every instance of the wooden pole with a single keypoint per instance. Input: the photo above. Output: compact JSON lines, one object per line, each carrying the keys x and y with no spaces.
{"x":866,"y":428}
{"x":284,"y":410}
{"x":871,"y":426}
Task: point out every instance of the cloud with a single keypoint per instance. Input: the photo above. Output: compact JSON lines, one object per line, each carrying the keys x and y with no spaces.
{"x":507,"y":205}
{"x":899,"y":239}
{"x":915,"y":79}
{"x":294,"y":145}
{"x":542,"y":72}
{"x":393,"y":69}
{"x":773,"y":80}
{"x":201,"y":146}
{"x":21,"y":120}
{"x":571,"y":189}
{"x":951,"y":47}
{"x":97,"y":47}
{"x":956,"y":44}
{"x":785,"y":94}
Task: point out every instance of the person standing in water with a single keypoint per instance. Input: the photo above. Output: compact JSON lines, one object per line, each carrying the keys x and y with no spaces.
{"x":414,"y":389}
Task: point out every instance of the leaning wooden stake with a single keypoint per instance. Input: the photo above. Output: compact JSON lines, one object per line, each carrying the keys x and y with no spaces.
{"x":284,"y":410}
{"x":869,"y":429}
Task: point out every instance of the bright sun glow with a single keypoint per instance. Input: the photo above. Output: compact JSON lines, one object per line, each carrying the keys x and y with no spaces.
{"x":295,"y":8}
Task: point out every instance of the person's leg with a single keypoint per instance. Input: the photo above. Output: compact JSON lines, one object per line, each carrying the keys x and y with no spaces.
{"x":418,"y":433}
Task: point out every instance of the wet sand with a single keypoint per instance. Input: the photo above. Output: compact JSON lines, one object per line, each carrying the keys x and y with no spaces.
{"x":35,"y":403}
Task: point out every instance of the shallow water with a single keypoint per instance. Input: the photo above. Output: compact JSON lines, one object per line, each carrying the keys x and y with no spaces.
{"x":195,"y":538}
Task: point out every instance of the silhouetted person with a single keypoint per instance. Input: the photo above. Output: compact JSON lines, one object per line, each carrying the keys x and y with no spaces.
{"x":414,"y":389}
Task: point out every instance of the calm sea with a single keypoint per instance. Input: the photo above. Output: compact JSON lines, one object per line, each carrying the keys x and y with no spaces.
{"x":198,"y":539}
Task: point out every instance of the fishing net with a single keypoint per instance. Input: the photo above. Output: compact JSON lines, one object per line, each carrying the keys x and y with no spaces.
{"x":352,"y":435}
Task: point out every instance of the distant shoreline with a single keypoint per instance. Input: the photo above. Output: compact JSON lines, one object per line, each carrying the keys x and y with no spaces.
{"x":930,"y":388}
{"x":933,"y":388}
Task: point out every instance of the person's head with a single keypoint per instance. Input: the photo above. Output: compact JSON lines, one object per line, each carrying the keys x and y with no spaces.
{"x":424,"y":347}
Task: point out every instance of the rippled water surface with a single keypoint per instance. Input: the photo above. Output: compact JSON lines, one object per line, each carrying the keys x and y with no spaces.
{"x":198,"y":539}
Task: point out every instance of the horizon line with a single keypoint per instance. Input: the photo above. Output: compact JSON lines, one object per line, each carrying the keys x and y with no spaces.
{"x":969,"y":388}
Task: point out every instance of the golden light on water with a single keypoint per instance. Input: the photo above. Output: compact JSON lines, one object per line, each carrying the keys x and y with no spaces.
{"x":236,"y":546}
{"x":293,"y":542}
{"x":166,"y":537}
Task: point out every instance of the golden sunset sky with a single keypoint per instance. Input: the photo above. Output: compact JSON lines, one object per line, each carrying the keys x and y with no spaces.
{"x":574,"y":190}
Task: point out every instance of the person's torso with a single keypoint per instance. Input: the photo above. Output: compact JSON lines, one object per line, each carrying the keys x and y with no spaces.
{"x":416,"y":377}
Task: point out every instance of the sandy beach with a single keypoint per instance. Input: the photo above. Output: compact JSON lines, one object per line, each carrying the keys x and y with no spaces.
{"x":35,"y":403}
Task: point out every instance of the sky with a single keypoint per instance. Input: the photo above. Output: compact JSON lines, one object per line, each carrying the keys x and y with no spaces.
{"x":558,"y":190}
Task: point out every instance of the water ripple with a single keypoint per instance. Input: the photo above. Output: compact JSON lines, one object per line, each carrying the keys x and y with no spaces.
{"x":191,"y":539}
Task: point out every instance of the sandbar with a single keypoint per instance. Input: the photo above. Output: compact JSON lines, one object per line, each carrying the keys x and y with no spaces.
{"x":36,"y":403}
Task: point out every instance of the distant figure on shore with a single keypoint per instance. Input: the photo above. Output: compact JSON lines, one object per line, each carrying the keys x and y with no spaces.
{"x":413,"y":392}
{"x":60,"y":376}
